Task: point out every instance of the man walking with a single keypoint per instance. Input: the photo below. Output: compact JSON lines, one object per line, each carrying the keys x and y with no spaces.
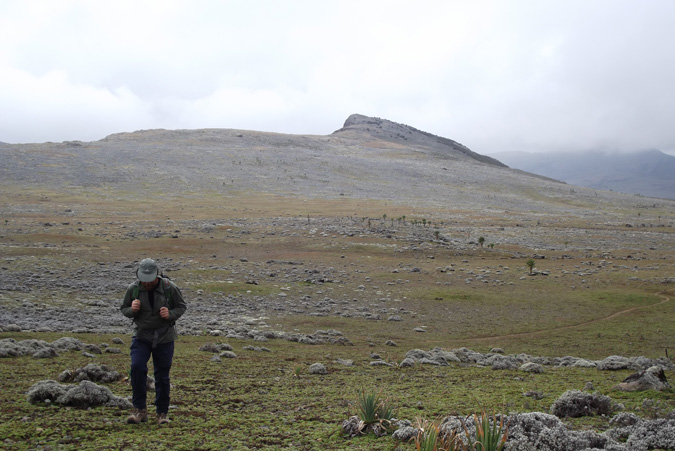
{"x":154,"y":303}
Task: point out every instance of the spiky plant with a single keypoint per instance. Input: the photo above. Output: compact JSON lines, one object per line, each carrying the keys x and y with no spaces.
{"x":368,"y":407}
{"x":373,"y":410}
{"x":427,"y":435}
{"x":430,"y":437}
{"x":489,"y":435}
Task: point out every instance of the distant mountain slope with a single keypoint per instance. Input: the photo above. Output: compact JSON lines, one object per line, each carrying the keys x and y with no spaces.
{"x":648,"y":173}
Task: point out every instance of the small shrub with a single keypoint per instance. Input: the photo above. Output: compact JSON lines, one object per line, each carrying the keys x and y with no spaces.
{"x":530,"y":265}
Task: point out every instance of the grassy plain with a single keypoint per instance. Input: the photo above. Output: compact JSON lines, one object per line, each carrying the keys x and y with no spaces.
{"x":593,"y":303}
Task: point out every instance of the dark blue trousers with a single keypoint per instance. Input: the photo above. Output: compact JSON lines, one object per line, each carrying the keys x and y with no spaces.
{"x":162,"y":357}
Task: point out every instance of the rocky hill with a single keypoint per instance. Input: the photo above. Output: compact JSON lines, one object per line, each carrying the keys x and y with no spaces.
{"x":368,"y":158}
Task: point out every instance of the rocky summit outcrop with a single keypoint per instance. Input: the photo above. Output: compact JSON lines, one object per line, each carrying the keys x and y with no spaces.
{"x":406,"y":135}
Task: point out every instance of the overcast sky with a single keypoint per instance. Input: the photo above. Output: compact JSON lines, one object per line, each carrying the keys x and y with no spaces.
{"x":501,"y":75}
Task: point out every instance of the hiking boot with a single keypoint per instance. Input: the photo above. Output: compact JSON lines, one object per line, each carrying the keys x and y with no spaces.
{"x":137,"y":416}
{"x":163,"y":418}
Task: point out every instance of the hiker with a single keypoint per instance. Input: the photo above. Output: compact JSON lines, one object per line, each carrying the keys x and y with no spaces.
{"x":154,"y":303}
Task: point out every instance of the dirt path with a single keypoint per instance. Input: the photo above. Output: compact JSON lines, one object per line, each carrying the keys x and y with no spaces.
{"x":572,"y":326}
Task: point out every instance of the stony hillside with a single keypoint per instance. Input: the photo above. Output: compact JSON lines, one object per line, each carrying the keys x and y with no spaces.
{"x":368,"y":158}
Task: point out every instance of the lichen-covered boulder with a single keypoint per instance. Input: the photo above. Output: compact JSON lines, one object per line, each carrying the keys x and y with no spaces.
{"x":575,"y":404}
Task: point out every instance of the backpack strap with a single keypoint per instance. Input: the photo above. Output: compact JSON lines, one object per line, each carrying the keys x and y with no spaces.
{"x":167,"y":290}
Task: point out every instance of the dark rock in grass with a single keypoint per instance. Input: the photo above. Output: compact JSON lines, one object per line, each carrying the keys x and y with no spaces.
{"x":575,"y":404}
{"x":46,"y":353}
{"x":652,"y":378}
{"x":210,"y":347}
{"x":407,"y":362}
{"x":112,"y":350}
{"x":93,"y":349}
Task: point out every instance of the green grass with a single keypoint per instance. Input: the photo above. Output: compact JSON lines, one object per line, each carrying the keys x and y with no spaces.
{"x":268,"y":400}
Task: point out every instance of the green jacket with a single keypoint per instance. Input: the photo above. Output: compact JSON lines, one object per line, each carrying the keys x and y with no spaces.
{"x":147,"y":319}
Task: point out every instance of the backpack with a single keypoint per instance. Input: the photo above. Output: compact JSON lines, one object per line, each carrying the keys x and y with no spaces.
{"x":167,"y":289}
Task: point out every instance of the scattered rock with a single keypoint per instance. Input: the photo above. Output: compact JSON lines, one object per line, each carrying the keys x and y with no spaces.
{"x":345,"y":362}
{"x":91,"y":372}
{"x":46,"y":353}
{"x":532,"y":367}
{"x":407,"y":362}
{"x":210,"y":347}
{"x":653,"y":378}
{"x":613,"y":363}
{"x":317,"y":368}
